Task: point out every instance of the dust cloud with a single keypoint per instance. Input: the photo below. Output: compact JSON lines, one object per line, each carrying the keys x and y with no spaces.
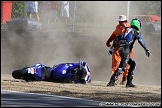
{"x":51,"y":48}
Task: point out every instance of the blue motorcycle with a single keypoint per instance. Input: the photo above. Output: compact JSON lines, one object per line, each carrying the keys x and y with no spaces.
{"x":78,"y":72}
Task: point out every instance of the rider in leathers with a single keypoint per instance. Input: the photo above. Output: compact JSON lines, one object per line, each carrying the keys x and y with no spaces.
{"x":126,"y":41}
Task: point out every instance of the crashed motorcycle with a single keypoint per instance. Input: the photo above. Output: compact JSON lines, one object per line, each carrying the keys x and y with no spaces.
{"x":78,"y":72}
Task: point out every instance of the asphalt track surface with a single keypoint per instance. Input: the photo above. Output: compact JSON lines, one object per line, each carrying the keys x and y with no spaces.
{"x":20,"y":99}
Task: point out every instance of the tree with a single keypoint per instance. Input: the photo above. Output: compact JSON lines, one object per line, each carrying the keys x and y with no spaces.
{"x":18,"y":9}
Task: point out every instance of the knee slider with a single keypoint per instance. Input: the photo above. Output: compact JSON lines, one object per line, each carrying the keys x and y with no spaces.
{"x":120,"y":70}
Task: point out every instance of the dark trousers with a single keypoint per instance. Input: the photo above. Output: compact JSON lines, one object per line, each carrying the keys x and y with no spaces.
{"x":125,"y":59}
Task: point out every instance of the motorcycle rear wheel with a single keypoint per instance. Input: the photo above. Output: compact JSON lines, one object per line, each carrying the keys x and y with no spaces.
{"x":18,"y":74}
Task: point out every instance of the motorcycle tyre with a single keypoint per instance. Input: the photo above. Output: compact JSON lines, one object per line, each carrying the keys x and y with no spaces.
{"x":18,"y":74}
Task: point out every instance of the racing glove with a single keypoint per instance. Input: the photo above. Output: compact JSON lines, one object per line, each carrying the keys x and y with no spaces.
{"x":111,"y":51}
{"x":148,"y":53}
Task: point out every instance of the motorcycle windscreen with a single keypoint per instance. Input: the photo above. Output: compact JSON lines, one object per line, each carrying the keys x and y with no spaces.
{"x":86,"y":77}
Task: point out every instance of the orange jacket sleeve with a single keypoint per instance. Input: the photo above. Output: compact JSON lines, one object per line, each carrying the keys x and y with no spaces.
{"x":111,"y":38}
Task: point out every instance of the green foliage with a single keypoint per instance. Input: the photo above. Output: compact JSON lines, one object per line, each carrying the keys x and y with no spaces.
{"x":18,"y":9}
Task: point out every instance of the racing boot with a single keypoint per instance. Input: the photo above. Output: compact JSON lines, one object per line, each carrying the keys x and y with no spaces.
{"x":112,"y":81}
{"x":114,"y":77}
{"x":129,"y":82}
{"x":123,"y":82}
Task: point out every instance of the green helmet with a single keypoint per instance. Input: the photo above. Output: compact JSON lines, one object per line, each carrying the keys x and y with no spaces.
{"x":136,"y":23}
